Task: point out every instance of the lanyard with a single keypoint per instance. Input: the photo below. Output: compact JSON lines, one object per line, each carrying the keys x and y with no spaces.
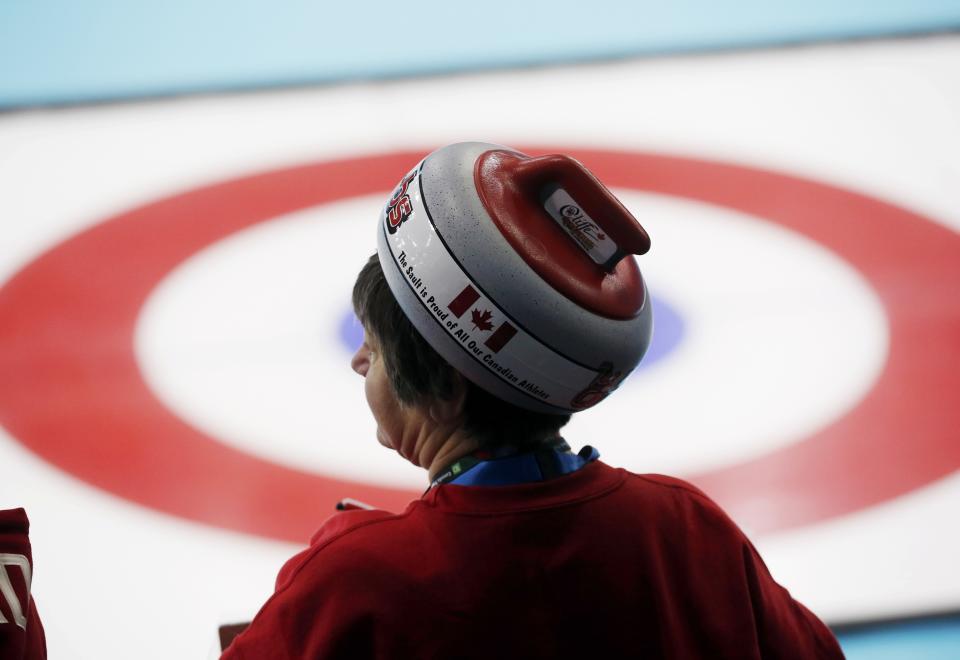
{"x":509,"y":465}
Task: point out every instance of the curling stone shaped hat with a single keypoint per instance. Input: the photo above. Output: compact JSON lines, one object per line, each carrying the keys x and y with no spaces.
{"x":519,"y":272}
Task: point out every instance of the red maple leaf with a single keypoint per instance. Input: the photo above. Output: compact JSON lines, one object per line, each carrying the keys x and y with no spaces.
{"x":481,"y":321}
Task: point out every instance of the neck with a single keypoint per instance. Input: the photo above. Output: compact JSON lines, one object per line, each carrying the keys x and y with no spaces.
{"x":437,"y":447}
{"x":448,"y":452}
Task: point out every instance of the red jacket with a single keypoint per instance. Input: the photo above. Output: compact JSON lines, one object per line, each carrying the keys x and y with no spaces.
{"x":600,"y":563}
{"x":21,"y":635}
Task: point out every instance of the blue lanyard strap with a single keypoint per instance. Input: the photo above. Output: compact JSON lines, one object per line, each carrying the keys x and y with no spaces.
{"x":508,"y":466}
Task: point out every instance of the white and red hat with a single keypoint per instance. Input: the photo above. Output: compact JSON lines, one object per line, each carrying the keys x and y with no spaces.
{"x":518,"y":271}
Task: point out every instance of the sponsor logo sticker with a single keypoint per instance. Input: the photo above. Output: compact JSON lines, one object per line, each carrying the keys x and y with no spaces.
{"x":398,"y":207}
{"x":580,"y":227}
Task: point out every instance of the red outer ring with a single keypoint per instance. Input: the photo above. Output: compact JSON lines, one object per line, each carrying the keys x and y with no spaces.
{"x":71,"y":390}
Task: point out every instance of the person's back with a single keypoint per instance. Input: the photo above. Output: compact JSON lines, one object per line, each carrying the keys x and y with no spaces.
{"x":598,"y":563}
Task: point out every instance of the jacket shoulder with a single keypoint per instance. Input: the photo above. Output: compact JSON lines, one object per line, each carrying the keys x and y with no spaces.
{"x":338,"y":540}
{"x":680,"y":501}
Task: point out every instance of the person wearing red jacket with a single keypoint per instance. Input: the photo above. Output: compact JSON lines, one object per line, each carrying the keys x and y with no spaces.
{"x":503,"y":298}
{"x":21,"y":633}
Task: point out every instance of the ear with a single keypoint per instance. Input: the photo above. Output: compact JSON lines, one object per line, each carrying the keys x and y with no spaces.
{"x":450,"y":411}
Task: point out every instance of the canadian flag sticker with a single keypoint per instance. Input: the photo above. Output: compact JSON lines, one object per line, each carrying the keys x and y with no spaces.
{"x":481,"y":319}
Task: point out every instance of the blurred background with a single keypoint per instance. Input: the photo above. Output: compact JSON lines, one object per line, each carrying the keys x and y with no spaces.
{"x":187,"y":192}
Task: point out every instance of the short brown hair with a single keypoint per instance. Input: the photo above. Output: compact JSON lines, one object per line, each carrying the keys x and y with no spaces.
{"x":419,"y":374}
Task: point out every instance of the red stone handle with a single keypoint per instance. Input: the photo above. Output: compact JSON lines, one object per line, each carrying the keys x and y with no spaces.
{"x":543,"y":174}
